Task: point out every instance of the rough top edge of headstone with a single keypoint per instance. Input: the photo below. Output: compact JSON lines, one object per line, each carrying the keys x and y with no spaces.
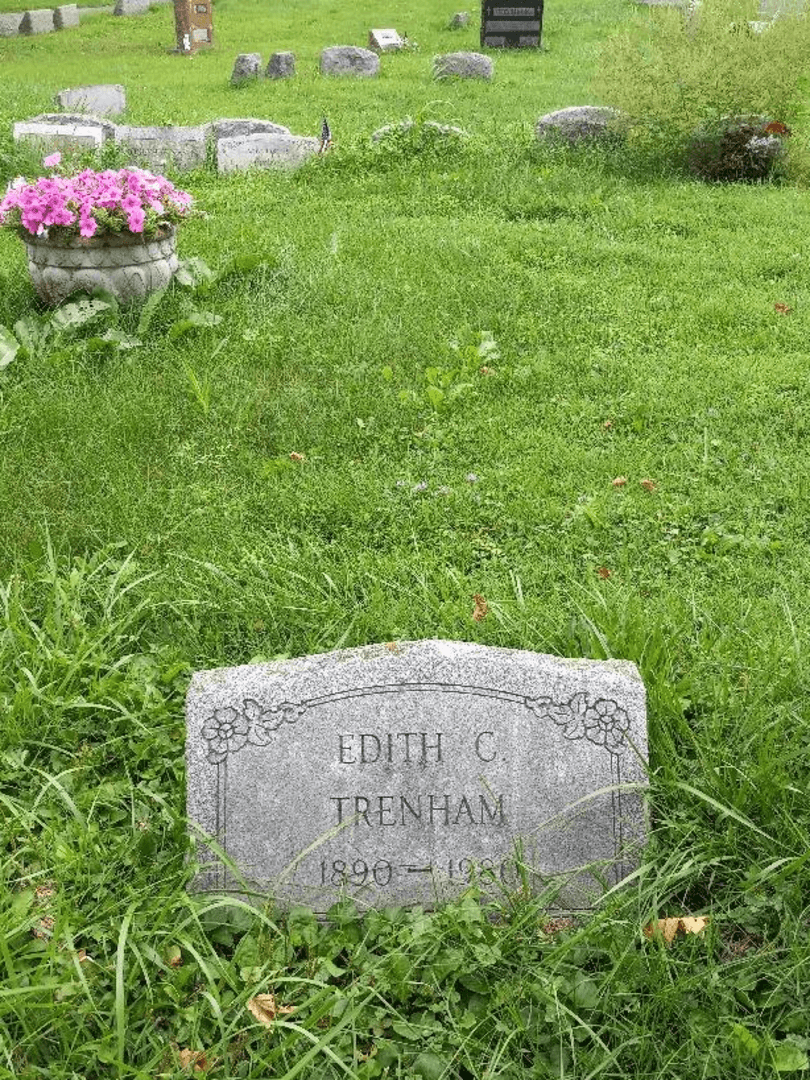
{"x":441,"y":648}
{"x":227,"y":127}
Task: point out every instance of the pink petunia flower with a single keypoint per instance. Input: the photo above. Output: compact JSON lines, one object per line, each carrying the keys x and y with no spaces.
{"x":52,"y":160}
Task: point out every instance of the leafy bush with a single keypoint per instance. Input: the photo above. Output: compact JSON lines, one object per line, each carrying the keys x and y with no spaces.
{"x":707,"y":69}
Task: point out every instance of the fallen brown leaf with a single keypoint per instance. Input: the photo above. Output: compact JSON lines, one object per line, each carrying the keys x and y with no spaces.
{"x":265,"y":1008}
{"x":608,"y":424}
{"x":603,"y":572}
{"x":196,"y":1058}
{"x":782,"y":309}
{"x":670,"y":928}
{"x":620,"y":481}
{"x":295,"y":456}
{"x":481,"y":608}
{"x":649,"y":485}
{"x":486,"y":371}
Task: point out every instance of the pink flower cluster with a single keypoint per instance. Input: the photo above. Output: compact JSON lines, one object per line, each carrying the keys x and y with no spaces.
{"x":109,"y":201}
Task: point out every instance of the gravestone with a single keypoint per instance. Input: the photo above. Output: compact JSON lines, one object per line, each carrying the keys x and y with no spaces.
{"x":384,"y":41}
{"x":105,"y":99}
{"x":193,"y":24}
{"x":105,"y":127}
{"x":38,"y":22}
{"x":159,"y":148}
{"x":396,"y":774}
{"x":60,"y":136}
{"x":581,"y":123}
{"x":246,"y":66}
{"x":131,"y":7}
{"x":266,"y":150}
{"x":66,"y":16}
{"x":349,"y":60}
{"x":10,"y":23}
{"x":462,"y":65}
{"x":505,"y":26}
{"x":281,"y":65}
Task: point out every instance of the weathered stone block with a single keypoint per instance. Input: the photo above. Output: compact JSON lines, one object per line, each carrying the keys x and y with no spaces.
{"x":460,"y":20}
{"x":38,"y":22}
{"x":160,"y":148}
{"x":66,"y":16}
{"x":131,"y":7}
{"x":281,"y":65}
{"x":397,"y":774}
{"x":580,"y":123}
{"x":10,"y":23}
{"x":106,"y":99}
{"x":246,"y":66}
{"x":463,"y":65}
{"x":265,"y":150}
{"x":59,"y":136}
{"x":349,"y":60}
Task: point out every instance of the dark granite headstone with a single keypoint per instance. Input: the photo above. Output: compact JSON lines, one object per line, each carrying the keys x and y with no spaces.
{"x":511,"y":26}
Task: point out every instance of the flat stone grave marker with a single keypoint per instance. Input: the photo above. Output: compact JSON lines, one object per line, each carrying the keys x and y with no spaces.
{"x":384,"y":40}
{"x":67,"y":136}
{"x":66,"y":16}
{"x":264,"y":149}
{"x":104,"y":99}
{"x":10,"y":23}
{"x":159,"y":148}
{"x":511,"y":26}
{"x":38,"y":21}
{"x":397,"y":774}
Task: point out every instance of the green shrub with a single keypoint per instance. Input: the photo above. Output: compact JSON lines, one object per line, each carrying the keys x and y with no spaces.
{"x":706,"y":69}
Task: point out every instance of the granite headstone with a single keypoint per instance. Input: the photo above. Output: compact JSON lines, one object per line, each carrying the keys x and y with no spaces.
{"x":104,"y":99}
{"x":10,"y":23}
{"x":384,"y":41}
{"x":511,"y":26}
{"x":158,"y":148}
{"x":281,"y":65}
{"x":398,"y":773}
{"x":66,"y":16}
{"x":39,"y":21}
{"x":265,"y":150}
{"x":245,"y":67}
{"x":463,"y":65}
{"x":349,"y":60}
{"x":60,"y":136}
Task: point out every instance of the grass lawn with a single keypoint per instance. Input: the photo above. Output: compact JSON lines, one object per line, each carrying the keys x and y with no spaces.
{"x":152,"y":522}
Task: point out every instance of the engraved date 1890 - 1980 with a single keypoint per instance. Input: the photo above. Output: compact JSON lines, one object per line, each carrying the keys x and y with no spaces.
{"x":359,"y":872}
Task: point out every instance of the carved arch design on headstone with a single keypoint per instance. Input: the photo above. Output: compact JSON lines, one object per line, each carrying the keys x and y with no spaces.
{"x":600,"y":720}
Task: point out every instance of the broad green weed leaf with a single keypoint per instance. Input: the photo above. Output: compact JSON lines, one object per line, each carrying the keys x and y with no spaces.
{"x":435,"y":397}
{"x":82,"y":312}
{"x":32,"y":333}
{"x":788,"y":1057}
{"x":430,"y":1066}
{"x":9,"y":347}
{"x":746,"y":1044}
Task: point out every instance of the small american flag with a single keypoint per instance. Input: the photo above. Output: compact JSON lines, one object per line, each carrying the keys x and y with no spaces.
{"x":326,"y":137}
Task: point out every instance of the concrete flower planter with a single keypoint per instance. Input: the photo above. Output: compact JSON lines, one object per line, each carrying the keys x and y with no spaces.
{"x":126,"y":265}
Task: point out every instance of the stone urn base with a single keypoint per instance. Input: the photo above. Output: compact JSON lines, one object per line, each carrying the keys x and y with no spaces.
{"x":126,"y":265}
